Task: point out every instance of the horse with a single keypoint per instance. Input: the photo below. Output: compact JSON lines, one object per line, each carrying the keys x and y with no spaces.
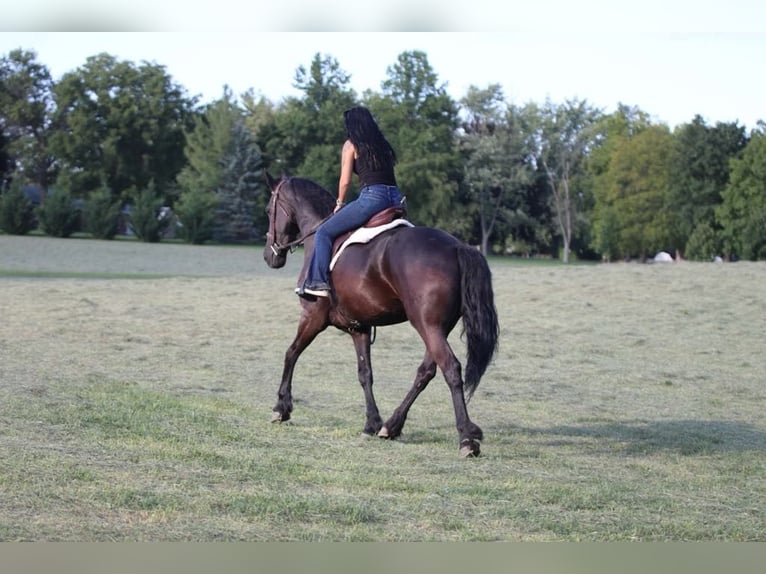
{"x":408,"y":273}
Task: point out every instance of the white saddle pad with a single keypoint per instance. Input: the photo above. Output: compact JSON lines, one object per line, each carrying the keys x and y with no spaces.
{"x":366,"y":234}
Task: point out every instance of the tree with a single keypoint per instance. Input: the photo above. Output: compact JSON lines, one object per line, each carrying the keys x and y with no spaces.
{"x":420,"y":120}
{"x":225,"y":162}
{"x":17,"y":214}
{"x":566,"y":136}
{"x":496,"y":155}
{"x":207,"y":142}
{"x":309,"y":131}
{"x":146,"y":221}
{"x":58,"y":215}
{"x":102,"y":214}
{"x":195,"y":210}
{"x":610,"y":132}
{"x":119,"y":124}
{"x":240,"y":213}
{"x":700,"y":156}
{"x":742,"y":214}
{"x":26,"y":105}
{"x":636,"y":191}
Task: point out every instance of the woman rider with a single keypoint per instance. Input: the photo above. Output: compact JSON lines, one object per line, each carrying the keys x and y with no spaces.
{"x":367,"y":153}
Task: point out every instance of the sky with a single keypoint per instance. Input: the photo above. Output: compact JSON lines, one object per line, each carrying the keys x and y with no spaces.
{"x":672,"y":59}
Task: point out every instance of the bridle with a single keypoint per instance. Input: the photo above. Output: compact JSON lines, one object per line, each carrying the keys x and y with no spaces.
{"x":276,"y":247}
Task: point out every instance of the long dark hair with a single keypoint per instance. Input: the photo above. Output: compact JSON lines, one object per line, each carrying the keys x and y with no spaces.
{"x":367,"y":138}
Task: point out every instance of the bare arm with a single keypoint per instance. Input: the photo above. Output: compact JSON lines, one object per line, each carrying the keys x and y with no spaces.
{"x":347,"y":156}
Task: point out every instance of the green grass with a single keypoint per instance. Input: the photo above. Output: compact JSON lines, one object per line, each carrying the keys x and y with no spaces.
{"x":626,"y":403}
{"x":77,"y":275}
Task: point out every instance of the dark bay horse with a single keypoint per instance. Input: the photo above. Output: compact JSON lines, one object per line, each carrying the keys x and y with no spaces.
{"x":417,"y":274}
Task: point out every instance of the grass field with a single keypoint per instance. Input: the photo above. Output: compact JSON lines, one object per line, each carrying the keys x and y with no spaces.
{"x":137,"y":381}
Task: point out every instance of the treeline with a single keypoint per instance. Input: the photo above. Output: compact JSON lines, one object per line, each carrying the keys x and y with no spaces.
{"x":114,"y":139}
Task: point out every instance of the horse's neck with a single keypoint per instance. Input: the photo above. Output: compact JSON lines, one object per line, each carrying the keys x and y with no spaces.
{"x":308,"y":221}
{"x":309,"y":212}
{"x":310,"y":217}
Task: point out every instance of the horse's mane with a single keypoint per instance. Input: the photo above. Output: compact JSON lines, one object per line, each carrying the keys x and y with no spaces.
{"x":318,"y":197}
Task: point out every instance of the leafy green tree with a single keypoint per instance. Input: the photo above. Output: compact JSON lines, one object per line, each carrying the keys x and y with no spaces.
{"x":306,"y":133}
{"x":567,"y":133}
{"x":636,"y":191}
{"x":421,"y":120}
{"x":145,"y":220}
{"x":742,"y":214}
{"x":700,"y":156}
{"x":606,"y":233}
{"x":17,"y":215}
{"x":496,"y":154}
{"x":119,"y":123}
{"x":26,"y":105}
{"x":610,"y":133}
{"x":58,"y":215}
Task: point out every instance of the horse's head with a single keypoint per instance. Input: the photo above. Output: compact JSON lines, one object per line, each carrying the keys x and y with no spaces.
{"x":283,"y":227}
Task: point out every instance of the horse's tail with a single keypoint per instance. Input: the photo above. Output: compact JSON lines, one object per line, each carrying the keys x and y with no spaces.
{"x":480,"y":326}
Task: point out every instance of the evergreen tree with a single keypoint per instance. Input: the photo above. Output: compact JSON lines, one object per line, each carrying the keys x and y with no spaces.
{"x":102,"y":214}
{"x":146,"y":221}
{"x":742,"y":214}
{"x":700,"y":156}
{"x":58,"y":215}
{"x":240,"y":215}
{"x":195,"y":210}
{"x":17,"y":215}
{"x":225,"y":162}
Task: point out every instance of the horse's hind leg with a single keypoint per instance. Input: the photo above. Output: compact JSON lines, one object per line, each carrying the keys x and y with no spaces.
{"x":364,"y":368}
{"x":308,"y":328}
{"x":437,"y":347}
{"x":426,"y":372}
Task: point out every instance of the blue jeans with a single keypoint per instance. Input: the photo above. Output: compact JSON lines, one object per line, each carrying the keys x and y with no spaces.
{"x":371,"y":200}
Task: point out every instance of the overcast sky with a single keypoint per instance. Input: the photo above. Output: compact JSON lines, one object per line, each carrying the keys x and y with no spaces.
{"x":671,"y":59}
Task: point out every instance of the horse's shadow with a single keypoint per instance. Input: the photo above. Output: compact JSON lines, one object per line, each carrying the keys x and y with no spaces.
{"x":685,"y":437}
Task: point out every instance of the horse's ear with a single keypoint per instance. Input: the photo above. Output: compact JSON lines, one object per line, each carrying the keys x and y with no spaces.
{"x":270,"y":181}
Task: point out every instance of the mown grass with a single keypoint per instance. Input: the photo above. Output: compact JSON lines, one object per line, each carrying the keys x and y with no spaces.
{"x":625,"y":404}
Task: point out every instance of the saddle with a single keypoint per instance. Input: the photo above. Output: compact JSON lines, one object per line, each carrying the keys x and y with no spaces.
{"x":383,"y":217}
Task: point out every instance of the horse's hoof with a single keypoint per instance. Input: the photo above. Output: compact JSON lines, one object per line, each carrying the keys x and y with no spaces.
{"x":276,"y":417}
{"x":470,"y":448}
{"x":383,"y":432}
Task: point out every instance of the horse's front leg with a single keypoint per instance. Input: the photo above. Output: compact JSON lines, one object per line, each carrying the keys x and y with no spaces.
{"x":313,"y":321}
{"x":364,"y":369}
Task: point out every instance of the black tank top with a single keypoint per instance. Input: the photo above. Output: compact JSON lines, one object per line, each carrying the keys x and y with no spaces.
{"x":369,"y":176}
